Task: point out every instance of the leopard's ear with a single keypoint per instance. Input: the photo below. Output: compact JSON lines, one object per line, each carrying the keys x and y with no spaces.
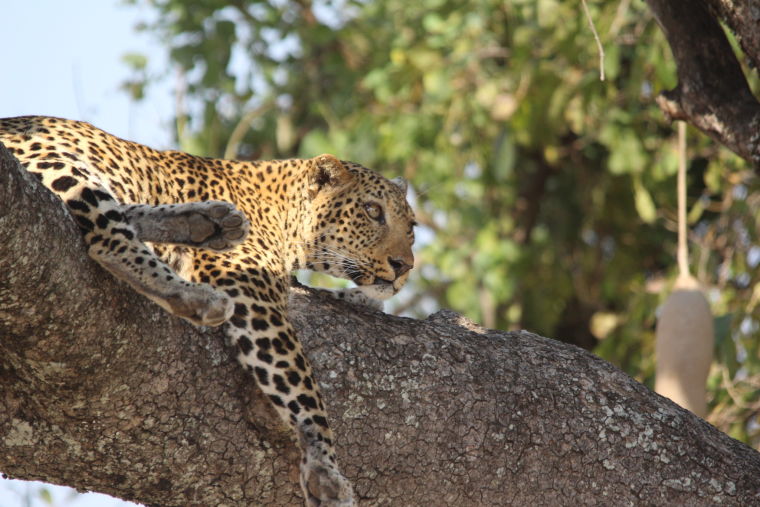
{"x":327,"y":172}
{"x":401,"y":184}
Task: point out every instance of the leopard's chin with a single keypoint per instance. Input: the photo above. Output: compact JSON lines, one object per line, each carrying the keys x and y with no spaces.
{"x":379,"y":291}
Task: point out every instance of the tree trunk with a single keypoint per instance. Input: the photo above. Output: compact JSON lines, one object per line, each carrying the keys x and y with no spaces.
{"x":103,"y":391}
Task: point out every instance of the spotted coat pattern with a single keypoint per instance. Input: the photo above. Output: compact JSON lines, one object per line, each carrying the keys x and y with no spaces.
{"x":213,"y":241}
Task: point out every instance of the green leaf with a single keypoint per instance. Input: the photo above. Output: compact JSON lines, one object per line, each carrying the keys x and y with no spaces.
{"x":695,"y":213}
{"x":504,"y":158}
{"x":137,"y":61}
{"x":627,"y":153}
{"x":724,"y":343}
{"x":643,"y":200}
{"x":45,"y":496}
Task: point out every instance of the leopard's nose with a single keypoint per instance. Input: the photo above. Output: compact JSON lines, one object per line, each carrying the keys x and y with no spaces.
{"x":399,"y":265}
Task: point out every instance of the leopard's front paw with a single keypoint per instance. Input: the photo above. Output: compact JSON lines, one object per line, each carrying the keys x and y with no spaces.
{"x":323,"y":485}
{"x":358,"y":297}
{"x":201,"y":305}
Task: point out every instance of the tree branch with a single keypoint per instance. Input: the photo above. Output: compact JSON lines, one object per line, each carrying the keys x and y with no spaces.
{"x":712,"y":93}
{"x":741,"y":18}
{"x":102,"y":390}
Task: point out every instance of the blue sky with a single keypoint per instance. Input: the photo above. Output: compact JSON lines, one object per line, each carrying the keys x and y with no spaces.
{"x":63,"y":58}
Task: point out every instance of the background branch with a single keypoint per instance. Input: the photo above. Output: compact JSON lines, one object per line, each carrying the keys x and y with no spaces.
{"x":712,"y":92}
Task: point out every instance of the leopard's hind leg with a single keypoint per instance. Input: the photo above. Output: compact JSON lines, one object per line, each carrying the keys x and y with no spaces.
{"x":115,"y":244}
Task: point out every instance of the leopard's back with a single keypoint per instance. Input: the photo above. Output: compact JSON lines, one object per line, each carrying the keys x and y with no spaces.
{"x":134,"y":173}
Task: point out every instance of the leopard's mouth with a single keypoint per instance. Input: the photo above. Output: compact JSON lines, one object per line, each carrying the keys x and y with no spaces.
{"x":379,"y":288}
{"x":369,"y":280}
{"x":359,"y":278}
{"x":372,"y":280}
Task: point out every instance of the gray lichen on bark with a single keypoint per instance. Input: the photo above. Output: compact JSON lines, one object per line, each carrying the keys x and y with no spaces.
{"x":102,"y":390}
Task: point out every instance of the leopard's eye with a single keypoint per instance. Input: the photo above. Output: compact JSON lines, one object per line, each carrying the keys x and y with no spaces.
{"x":374,"y":211}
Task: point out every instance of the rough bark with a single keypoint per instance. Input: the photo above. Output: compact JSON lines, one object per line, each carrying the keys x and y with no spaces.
{"x":712,"y":92}
{"x":743,"y":18}
{"x":103,"y":391}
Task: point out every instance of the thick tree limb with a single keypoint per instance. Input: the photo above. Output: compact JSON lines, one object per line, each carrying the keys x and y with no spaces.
{"x":101,"y":390}
{"x":712,"y":92}
{"x":742,"y":17}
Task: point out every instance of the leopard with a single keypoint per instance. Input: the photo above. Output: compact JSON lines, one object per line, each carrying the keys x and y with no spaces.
{"x":215,"y":242}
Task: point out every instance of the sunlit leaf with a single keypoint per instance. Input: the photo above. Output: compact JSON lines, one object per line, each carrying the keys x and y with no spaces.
{"x":45,"y":496}
{"x":644,"y":203}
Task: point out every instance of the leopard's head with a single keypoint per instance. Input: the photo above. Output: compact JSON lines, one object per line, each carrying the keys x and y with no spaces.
{"x":362,"y":227}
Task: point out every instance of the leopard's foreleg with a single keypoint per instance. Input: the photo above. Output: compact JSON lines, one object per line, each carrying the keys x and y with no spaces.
{"x":114,"y":243}
{"x":270,"y":350}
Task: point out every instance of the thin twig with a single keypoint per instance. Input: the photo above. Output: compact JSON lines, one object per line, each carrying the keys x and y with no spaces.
{"x":230,"y":152}
{"x":180,"y":92}
{"x":596,"y":37}
{"x":619,"y":19}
